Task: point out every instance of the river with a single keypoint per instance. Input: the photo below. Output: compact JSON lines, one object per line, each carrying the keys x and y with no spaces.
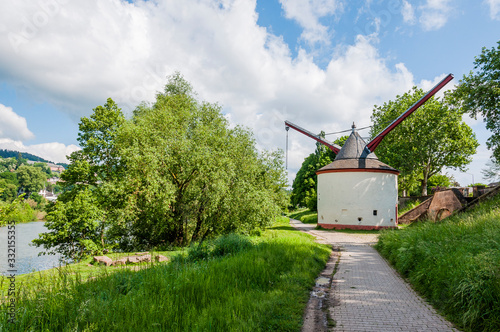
{"x":27,"y":259}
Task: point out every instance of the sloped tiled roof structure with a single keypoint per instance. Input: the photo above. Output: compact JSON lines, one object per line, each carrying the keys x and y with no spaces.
{"x":353,"y":156}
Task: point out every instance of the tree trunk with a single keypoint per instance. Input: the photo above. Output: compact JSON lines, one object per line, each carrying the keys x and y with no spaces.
{"x":424,"y":181}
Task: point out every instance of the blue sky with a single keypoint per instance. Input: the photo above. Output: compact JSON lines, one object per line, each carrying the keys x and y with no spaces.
{"x":319,"y":63}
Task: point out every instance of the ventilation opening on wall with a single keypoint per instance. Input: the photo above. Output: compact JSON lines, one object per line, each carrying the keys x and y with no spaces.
{"x":374,"y":212}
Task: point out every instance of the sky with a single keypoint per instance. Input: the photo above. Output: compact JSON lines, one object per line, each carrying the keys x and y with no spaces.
{"x":322,"y":64}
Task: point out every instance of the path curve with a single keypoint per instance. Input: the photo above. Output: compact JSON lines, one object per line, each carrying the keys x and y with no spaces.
{"x":367,"y":294}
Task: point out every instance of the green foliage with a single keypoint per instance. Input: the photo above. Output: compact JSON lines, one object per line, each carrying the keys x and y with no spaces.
{"x":304,"y":187}
{"x":75,"y":228}
{"x":438,"y":182}
{"x":44,"y":168}
{"x":9,"y":191}
{"x":305,"y":215}
{"x":174,"y":173}
{"x":262,"y":286}
{"x":17,"y":211}
{"x":15,"y":154}
{"x":433,"y":137}
{"x":190,"y":176}
{"x":454,"y":264}
{"x":224,"y":245}
{"x":7,"y":164}
{"x":491,"y":172}
{"x":478,"y":93}
{"x":31,"y":179}
{"x":409,"y":205}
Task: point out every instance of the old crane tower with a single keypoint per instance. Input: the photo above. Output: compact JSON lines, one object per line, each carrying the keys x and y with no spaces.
{"x":357,"y":191}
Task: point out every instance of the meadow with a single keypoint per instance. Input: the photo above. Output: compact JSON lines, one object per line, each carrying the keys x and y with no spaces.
{"x":231,"y":283}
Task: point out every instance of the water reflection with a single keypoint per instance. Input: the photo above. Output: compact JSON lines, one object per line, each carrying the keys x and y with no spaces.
{"x":27,"y":258}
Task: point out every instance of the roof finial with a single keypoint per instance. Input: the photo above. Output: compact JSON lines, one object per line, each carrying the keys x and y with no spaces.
{"x":353,"y":127}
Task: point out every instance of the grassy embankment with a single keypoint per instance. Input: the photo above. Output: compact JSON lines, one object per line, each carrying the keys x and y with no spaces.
{"x":455,"y":264}
{"x":305,"y":215}
{"x":234,"y":283}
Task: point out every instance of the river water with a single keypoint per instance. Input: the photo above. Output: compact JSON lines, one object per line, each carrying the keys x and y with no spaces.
{"x":27,"y":259}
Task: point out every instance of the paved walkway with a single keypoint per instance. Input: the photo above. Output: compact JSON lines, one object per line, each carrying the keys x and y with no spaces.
{"x":367,"y":294}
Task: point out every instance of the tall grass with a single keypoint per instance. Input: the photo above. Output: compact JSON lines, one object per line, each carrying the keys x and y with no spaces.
{"x":236,"y":284}
{"x":455,"y":264}
{"x":305,"y":215}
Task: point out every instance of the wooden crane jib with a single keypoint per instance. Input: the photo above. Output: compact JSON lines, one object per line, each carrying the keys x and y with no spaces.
{"x":372,"y":145}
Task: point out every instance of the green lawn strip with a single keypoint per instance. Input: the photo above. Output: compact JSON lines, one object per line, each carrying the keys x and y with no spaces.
{"x":262,"y":287}
{"x":305,"y":215}
{"x":30,"y":282}
{"x":455,"y":264}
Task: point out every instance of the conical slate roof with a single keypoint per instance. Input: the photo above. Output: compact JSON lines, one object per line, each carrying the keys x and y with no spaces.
{"x":354,"y":156}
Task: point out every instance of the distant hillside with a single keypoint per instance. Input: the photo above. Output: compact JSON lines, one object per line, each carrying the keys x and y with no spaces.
{"x":14,"y":154}
{"x":25,"y":155}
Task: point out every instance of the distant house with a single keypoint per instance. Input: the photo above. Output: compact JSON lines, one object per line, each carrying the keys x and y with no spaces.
{"x":48,"y":195}
{"x":55,"y":168}
{"x":53,"y":180}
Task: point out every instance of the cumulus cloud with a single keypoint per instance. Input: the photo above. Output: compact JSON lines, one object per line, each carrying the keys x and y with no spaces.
{"x":434,"y":14}
{"x":308,"y":14}
{"x":12,"y":125}
{"x":494,"y":8}
{"x":76,"y":54}
{"x":408,"y":12}
{"x":55,"y":152}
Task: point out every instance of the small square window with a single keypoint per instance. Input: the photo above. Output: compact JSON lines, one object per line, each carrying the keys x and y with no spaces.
{"x":374,"y":212}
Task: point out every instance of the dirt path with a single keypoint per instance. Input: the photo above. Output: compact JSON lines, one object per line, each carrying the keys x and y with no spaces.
{"x":365,"y":293}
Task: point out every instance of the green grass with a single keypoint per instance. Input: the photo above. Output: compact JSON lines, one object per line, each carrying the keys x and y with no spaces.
{"x":455,"y":264}
{"x":31,"y":282}
{"x":403,"y":208}
{"x":305,"y":215}
{"x":233,"y":283}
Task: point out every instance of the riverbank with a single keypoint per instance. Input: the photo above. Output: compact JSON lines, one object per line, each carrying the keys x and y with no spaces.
{"x":235,"y":283}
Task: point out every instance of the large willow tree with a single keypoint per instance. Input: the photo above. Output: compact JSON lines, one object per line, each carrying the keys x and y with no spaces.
{"x":189,"y":175}
{"x":172,"y":174}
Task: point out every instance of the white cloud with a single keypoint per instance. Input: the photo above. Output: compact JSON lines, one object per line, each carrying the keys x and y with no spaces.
{"x":307,"y":14}
{"x":494,"y":8}
{"x":408,"y":12}
{"x":434,"y":14}
{"x":88,"y":51}
{"x":55,"y":152}
{"x":12,"y":125}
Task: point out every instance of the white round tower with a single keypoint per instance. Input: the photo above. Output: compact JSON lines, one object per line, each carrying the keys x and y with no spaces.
{"x":357,"y":191}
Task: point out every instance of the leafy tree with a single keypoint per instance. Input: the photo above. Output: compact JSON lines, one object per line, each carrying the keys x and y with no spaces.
{"x":439,"y":182}
{"x":90,"y":169}
{"x":189,"y":175}
{"x":31,"y":179}
{"x":97,"y":161}
{"x":74,"y":228}
{"x":10,"y":211}
{"x":44,"y":168}
{"x":432,"y":138}
{"x":7,"y":164}
{"x":8,"y":191}
{"x":479,"y":93}
{"x":304,"y":187}
{"x":10,"y":178}
{"x":174,"y":173}
{"x":492,"y":171}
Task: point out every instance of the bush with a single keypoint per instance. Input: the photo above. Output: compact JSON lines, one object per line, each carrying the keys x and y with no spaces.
{"x":222,"y":246}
